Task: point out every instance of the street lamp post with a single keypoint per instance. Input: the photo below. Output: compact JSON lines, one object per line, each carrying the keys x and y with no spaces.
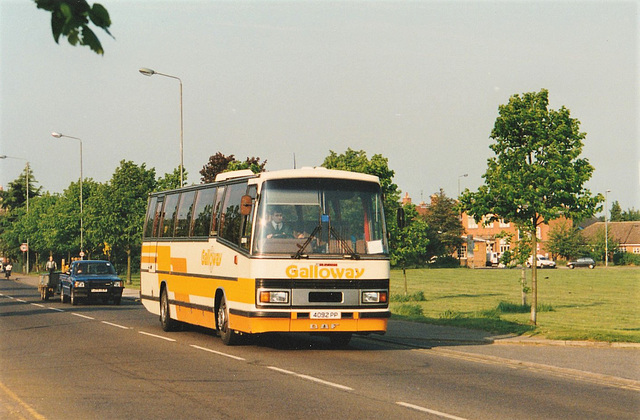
{"x":461,"y":176}
{"x":606,"y":229}
{"x":27,"y":196}
{"x":149,"y":72}
{"x":59,"y":135}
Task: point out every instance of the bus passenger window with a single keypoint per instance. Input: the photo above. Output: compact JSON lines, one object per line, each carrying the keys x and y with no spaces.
{"x":216,"y":210}
{"x":157,"y":220}
{"x":148,"y":221}
{"x":183,"y":218}
{"x":203,"y":209}
{"x":170,"y":204}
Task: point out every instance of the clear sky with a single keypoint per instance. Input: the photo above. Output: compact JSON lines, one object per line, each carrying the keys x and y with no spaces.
{"x":417,"y":82}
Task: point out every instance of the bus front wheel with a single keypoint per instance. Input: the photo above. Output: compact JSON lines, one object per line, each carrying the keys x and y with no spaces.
{"x":229,"y":337}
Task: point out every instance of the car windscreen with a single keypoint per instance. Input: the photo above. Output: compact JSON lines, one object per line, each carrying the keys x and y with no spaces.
{"x":89,"y":268}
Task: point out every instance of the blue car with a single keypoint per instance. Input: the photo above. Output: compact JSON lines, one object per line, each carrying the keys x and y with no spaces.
{"x":90,"y":280}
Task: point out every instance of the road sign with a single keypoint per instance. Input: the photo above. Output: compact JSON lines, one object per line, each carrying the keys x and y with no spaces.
{"x":81,"y":253}
{"x":24,"y":247}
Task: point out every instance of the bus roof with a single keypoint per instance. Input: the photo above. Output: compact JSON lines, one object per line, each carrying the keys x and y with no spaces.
{"x":307,"y":172}
{"x":318,"y":172}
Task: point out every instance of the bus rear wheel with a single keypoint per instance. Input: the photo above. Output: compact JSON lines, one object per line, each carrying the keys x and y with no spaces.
{"x":229,"y":337}
{"x":167,"y":323}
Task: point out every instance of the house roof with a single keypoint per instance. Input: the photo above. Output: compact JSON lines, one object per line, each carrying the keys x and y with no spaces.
{"x":625,"y":233}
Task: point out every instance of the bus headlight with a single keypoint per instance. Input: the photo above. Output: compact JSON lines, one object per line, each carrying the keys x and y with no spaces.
{"x":374,"y":297}
{"x":78,"y":284}
{"x":117,"y":284}
{"x":274,"y":296}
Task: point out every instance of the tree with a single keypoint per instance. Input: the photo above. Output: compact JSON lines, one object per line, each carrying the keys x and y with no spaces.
{"x":70,"y":18}
{"x":410,"y":248}
{"x":117,"y":212}
{"x":171,"y":180}
{"x":252,"y":163}
{"x":443,"y":219}
{"x":536,"y":174}
{"x":13,"y":220}
{"x":566,"y":241}
{"x":615,"y":215}
{"x":219,"y":163}
{"x":16,"y":195}
{"x":631,"y":215}
{"x":65,"y":223}
{"x":598,"y":245}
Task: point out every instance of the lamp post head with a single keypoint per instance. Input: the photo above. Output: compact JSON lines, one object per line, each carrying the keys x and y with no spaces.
{"x":147,"y":72}
{"x":56,"y":135}
{"x":3,"y":156}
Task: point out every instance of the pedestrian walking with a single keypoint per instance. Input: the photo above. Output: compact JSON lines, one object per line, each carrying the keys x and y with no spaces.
{"x":7,"y":270}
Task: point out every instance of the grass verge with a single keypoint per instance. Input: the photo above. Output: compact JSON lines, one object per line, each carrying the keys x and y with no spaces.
{"x":599,"y":304}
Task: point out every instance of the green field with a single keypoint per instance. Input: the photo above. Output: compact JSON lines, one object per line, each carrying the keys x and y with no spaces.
{"x":601,"y":304}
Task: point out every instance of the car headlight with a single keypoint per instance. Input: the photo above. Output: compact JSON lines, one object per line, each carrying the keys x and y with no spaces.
{"x":79,"y":284}
{"x":274,"y":296}
{"x":374,"y":297}
{"x":117,"y":284}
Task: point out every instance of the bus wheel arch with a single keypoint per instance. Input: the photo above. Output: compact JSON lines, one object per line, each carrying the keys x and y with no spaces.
{"x":228,"y":336}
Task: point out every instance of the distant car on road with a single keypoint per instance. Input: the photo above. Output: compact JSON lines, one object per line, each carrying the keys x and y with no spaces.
{"x":582,"y":262}
{"x":90,"y":280}
{"x":542,"y":262}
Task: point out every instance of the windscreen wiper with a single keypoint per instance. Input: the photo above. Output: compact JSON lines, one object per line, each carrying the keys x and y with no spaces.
{"x":299,"y":253}
{"x":332,"y":232}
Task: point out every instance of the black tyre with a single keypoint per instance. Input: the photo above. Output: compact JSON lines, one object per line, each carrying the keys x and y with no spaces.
{"x":73,"y":298}
{"x":229,"y":337}
{"x":167,"y":323}
{"x":340,"y":339}
{"x":591,"y":266}
{"x":571,"y":267}
{"x":63,"y":298}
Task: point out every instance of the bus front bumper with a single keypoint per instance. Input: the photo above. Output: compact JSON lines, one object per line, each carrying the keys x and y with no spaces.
{"x":262,"y":322}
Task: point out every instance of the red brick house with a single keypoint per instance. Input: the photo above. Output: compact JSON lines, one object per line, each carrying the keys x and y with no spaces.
{"x":481,"y":238}
{"x":627,"y":234}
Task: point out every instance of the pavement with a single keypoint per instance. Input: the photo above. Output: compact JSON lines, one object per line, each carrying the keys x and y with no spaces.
{"x":615,"y":364}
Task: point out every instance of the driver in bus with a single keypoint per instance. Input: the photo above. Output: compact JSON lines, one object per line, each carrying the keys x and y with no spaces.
{"x":276,"y":227}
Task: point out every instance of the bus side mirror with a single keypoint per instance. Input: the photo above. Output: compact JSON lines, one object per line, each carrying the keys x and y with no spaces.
{"x":400,"y":218}
{"x":246,"y":202}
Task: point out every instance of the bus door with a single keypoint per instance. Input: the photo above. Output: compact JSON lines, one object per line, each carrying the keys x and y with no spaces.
{"x":157,"y":222}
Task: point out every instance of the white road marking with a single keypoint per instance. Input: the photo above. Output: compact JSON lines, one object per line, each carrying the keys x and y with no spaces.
{"x":38,"y":305}
{"x":20,"y":300}
{"x":81,"y":316}
{"x":156,"y":336}
{"x":115,"y":325}
{"x":218,"y":353}
{"x":426,"y":410}
{"x":311,"y":378}
{"x":56,"y":309}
